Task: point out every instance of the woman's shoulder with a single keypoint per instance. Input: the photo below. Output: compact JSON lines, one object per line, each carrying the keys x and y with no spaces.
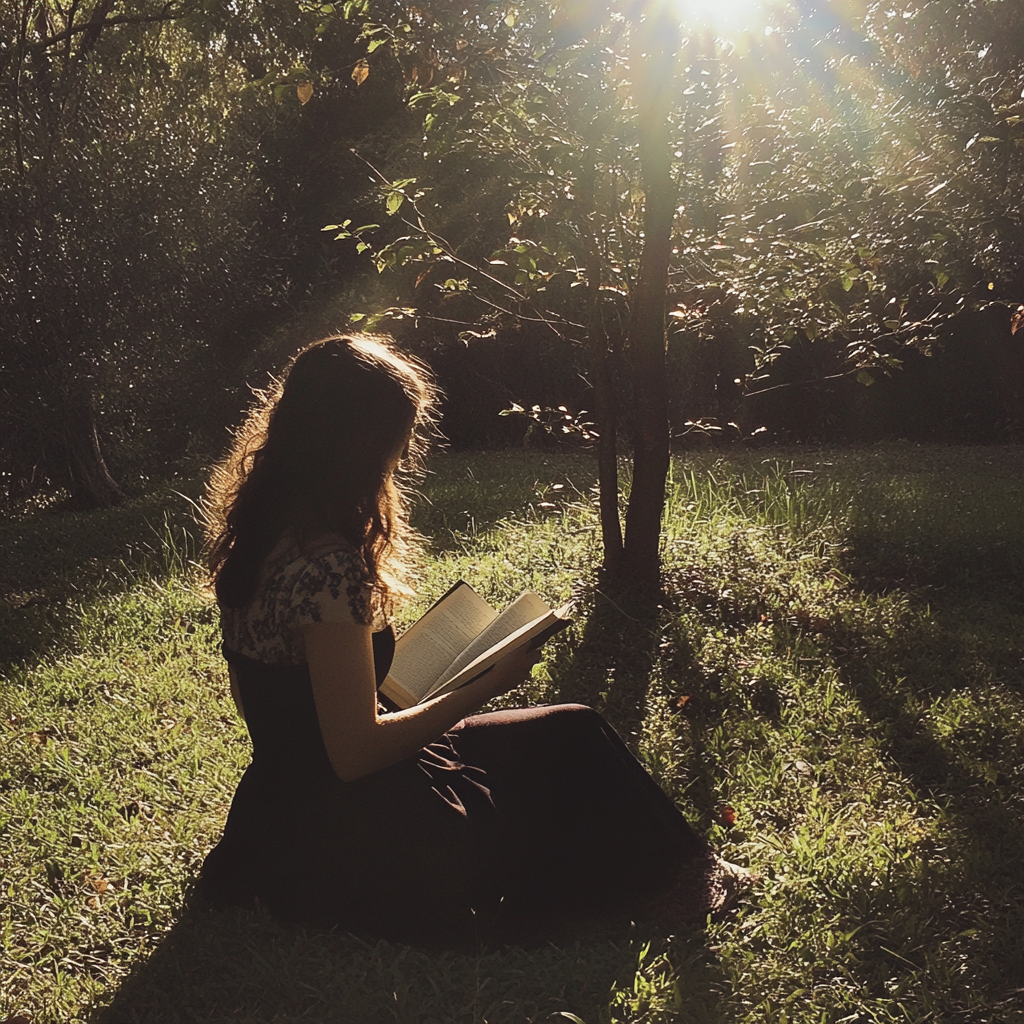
{"x":320,"y":579}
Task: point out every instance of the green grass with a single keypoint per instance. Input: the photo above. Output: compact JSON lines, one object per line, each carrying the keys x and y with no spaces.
{"x":838,"y":658}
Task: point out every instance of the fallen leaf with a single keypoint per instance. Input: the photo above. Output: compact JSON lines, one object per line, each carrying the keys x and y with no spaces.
{"x":727,"y":815}
{"x":360,"y":72}
{"x":683,"y":701}
{"x":304,"y":90}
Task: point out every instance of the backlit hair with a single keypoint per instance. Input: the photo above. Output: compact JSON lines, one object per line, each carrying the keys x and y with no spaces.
{"x":315,"y":457}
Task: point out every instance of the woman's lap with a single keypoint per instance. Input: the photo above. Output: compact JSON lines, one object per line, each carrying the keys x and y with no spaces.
{"x":536,"y":811}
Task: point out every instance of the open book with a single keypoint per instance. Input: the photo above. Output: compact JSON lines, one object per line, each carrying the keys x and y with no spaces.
{"x":460,"y":638}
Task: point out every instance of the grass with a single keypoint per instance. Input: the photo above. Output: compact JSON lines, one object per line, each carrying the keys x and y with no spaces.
{"x":832,"y":689}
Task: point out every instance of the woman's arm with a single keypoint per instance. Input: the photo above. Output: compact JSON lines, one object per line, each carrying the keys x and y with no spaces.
{"x":358,"y":740}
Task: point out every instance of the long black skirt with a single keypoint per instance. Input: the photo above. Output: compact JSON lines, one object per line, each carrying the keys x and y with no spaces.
{"x":509,"y":822}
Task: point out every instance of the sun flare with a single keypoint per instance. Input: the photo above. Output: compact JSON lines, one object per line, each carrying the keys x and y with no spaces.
{"x":725,"y":17}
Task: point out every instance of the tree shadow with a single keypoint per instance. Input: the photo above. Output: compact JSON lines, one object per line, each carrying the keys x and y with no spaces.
{"x":242,"y":965}
{"x":611,"y":667}
{"x":969,"y":766}
{"x":624,"y":646}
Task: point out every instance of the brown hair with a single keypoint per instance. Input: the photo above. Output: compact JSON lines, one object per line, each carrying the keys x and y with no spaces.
{"x":316,"y":455}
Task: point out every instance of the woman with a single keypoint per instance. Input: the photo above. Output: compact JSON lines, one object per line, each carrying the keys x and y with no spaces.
{"x":424,"y":824}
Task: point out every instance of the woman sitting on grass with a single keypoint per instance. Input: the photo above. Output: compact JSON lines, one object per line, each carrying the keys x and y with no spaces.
{"x":420,"y":825}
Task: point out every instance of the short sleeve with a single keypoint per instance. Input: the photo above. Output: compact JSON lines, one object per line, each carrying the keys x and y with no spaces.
{"x":331,"y":587}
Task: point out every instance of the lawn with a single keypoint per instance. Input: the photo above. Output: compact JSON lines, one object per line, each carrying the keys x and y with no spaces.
{"x":832,"y":689}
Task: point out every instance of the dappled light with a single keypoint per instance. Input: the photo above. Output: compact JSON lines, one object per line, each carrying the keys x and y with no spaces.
{"x":725,"y":300}
{"x":830,"y":687}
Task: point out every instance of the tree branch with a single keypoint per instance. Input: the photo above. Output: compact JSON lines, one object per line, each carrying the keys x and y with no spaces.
{"x":167,"y":13}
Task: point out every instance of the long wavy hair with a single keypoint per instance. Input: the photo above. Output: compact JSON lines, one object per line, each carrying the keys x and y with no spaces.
{"x":317,"y":456}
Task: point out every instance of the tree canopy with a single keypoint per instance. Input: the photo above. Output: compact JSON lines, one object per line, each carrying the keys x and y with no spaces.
{"x":683,"y":222}
{"x":828,"y":177}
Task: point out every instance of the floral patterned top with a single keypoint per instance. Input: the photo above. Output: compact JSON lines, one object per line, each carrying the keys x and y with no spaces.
{"x":296,"y":590}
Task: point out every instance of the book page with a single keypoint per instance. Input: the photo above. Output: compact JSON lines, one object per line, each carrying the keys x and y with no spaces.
{"x":525,"y":608}
{"x":426,"y":649}
{"x":533,"y":633}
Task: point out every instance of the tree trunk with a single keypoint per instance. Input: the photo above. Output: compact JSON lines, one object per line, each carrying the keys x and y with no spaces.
{"x":606,"y":413}
{"x":656,"y":44}
{"x":601,"y":378}
{"x":92,"y":486}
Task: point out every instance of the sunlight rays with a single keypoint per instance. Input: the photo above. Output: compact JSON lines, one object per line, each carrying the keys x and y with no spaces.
{"x":726,"y":18}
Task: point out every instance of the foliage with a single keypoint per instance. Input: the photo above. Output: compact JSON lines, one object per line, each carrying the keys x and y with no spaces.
{"x":843,"y":180}
{"x":105,"y":264}
{"x":778,"y":184}
{"x":845,"y":188}
{"x":164,"y":172}
{"x":837,"y":662}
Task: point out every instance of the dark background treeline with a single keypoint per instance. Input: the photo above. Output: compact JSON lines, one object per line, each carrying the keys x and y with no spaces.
{"x":167,"y":173}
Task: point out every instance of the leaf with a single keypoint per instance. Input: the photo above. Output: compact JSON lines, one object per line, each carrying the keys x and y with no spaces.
{"x":361,"y":71}
{"x":394,"y":202}
{"x":304,"y":90}
{"x":727,"y":815}
{"x":865,"y":378}
{"x":683,"y":701}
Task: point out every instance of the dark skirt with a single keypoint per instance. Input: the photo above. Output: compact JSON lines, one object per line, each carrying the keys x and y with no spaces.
{"x":509,"y":822}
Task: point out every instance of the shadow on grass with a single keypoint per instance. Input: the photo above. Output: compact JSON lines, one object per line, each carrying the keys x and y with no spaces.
{"x":472,"y":492}
{"x":951,"y":721}
{"x":56,"y":561}
{"x":241,"y":965}
{"x":946,"y":683}
{"x":610,"y":668}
